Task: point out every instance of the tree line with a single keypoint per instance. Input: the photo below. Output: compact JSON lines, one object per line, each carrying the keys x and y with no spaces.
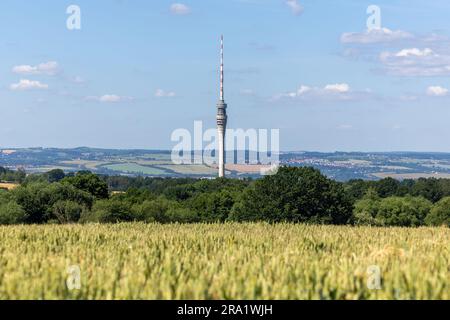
{"x":298,"y":195}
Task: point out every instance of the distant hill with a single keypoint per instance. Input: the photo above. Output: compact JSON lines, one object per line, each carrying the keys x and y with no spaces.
{"x":338,"y":165}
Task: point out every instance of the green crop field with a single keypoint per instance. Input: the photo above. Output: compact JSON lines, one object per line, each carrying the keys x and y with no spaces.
{"x":190,"y":169}
{"x":134,"y":168}
{"x":230,"y":261}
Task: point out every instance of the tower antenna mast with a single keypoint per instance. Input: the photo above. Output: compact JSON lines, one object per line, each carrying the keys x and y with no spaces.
{"x":221,"y":69}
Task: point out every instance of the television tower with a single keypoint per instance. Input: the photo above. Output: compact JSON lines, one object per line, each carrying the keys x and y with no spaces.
{"x":221,"y":117}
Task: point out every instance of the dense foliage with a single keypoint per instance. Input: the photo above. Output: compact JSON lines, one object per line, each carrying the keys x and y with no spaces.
{"x":431,"y":189}
{"x":440,"y":214}
{"x":11,"y":175}
{"x":292,"y":195}
{"x":295,"y":195}
{"x":391,"y":211}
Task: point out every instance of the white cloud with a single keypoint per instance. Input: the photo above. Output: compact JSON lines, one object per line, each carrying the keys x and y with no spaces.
{"x":414,"y":62}
{"x":50,"y":68}
{"x":24,"y":69}
{"x":110,"y":98}
{"x":160,"y":93}
{"x":375,"y":36}
{"x":303,"y":89}
{"x":401,"y":53}
{"x":337,"y":88}
{"x":340,"y":91}
{"x":25,"y":84}
{"x":437,"y":91}
{"x":179,"y":9}
{"x":408,"y":54}
{"x":414,"y":52}
{"x":295,"y":7}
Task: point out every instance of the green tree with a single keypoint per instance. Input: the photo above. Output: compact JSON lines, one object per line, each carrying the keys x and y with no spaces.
{"x":387,"y":187}
{"x":37,"y":199}
{"x":428,"y":188}
{"x":55,"y":175}
{"x":154,"y":210}
{"x":12,"y":176}
{"x":108,"y":211}
{"x":444,"y":186}
{"x":357,"y":188}
{"x":366,"y":209}
{"x":182,"y":215}
{"x":440,"y":213}
{"x":134,"y":195}
{"x":215,"y":206}
{"x":12,"y":213}
{"x":89,"y":182}
{"x":67,"y":211}
{"x":407,"y":211}
{"x":179,"y":193}
{"x":294,"y":194}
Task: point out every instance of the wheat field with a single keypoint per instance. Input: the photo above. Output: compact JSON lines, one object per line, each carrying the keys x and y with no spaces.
{"x":8,"y":186}
{"x":223,"y":261}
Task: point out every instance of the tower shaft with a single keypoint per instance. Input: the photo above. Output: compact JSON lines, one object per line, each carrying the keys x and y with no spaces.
{"x":221,"y":116}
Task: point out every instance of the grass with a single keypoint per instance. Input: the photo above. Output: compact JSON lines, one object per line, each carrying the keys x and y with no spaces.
{"x":88,"y":164}
{"x":190,"y":169}
{"x":135,"y":169}
{"x":164,"y":156}
{"x":231,"y":261}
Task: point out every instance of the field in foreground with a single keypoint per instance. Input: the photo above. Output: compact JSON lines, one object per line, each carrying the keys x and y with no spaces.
{"x":232,"y":261}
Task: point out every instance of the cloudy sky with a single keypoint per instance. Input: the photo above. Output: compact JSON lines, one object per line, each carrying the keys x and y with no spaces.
{"x":137,"y":70}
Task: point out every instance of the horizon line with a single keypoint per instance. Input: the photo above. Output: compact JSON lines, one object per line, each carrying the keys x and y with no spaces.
{"x":194,"y":150}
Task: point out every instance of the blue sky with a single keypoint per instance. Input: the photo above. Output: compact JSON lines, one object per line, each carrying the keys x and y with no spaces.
{"x":137,"y":70}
